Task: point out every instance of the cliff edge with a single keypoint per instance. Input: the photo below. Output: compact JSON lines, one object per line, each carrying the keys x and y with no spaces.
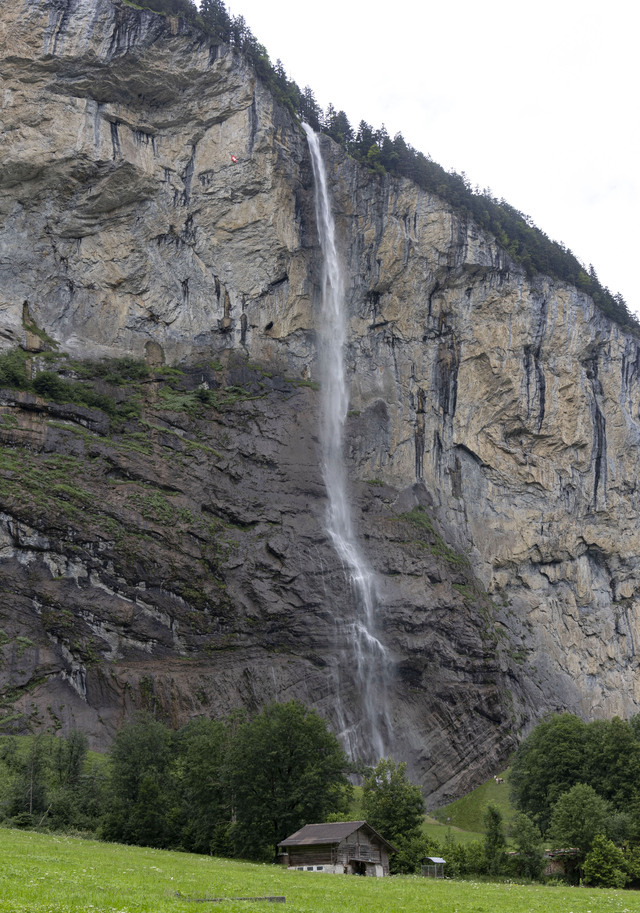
{"x":169,"y":551}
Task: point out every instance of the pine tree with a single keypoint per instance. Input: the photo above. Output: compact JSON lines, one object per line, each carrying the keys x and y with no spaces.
{"x":310,"y":111}
{"x":216,"y":18}
{"x":495,"y":843}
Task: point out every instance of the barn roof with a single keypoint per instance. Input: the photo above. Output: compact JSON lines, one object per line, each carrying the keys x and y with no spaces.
{"x":323,"y":834}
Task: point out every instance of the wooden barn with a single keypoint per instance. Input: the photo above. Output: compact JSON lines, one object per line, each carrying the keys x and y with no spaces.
{"x":346,"y":847}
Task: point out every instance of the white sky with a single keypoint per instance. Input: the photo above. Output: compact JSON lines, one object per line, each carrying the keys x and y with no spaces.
{"x":540,"y":103}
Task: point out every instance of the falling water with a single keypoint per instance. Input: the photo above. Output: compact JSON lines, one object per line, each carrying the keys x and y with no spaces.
{"x":370,"y":734}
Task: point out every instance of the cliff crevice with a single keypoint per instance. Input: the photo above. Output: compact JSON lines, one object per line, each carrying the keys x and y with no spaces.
{"x":165,"y":547}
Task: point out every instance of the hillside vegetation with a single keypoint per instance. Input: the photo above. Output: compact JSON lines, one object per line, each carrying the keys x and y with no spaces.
{"x":467,"y":813}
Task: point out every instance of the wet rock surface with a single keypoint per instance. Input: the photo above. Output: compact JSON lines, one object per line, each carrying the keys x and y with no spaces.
{"x":176,"y":559}
{"x":179,"y":563}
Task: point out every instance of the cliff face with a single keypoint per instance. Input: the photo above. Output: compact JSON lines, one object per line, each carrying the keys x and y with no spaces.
{"x":175,"y":557}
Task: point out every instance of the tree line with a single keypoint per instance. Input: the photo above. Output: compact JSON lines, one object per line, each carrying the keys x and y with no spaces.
{"x":575,"y":787}
{"x":231,"y":788}
{"x":515,"y":231}
{"x":579,"y":784}
{"x":237,"y":787}
{"x":578,"y":835}
{"x":234,"y":787}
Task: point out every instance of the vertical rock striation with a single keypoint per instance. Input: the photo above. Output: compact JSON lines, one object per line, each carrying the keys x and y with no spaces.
{"x":492,"y":439}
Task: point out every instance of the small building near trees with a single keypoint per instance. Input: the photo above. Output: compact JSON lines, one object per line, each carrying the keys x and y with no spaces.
{"x":432,"y":867}
{"x":558,"y":862}
{"x":344,"y":847}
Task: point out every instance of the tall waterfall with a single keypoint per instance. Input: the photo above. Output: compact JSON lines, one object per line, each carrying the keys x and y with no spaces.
{"x":366,"y":731}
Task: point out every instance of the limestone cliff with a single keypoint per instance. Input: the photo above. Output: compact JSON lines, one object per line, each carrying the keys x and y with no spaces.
{"x":172,"y":554}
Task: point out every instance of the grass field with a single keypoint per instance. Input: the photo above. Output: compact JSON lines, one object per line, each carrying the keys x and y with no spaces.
{"x":48,"y":874}
{"x":470,"y":809}
{"x":438,"y":831}
{"x":467,"y":813}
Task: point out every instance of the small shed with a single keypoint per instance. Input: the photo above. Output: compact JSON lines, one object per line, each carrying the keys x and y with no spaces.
{"x":433,"y":867}
{"x":344,"y":847}
{"x":559,"y":861}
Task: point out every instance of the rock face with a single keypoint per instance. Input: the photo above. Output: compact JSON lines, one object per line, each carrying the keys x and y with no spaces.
{"x":172,"y":555}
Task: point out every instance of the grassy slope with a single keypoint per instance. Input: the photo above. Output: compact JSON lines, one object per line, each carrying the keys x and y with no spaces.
{"x":46,"y":874}
{"x":433,"y":828}
{"x":438,"y":831}
{"x":467,"y":813}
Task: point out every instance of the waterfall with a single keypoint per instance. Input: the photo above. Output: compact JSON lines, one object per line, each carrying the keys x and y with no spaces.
{"x":366,"y":733}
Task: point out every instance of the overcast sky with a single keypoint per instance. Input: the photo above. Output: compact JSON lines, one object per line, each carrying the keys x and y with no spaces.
{"x":538,"y":102}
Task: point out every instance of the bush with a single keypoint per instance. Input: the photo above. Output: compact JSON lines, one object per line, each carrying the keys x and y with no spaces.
{"x":52,"y":387}
{"x":49,"y":386}
{"x":23,"y":819}
{"x":121,"y":370}
{"x":605,"y":864}
{"x":411,"y":852}
{"x":13,"y":372}
{"x":475,"y":858}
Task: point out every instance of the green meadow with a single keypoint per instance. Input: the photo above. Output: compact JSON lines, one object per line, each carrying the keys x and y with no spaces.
{"x":467,"y":813}
{"x":440,"y":832}
{"x":463,"y":820}
{"x":41,"y":873}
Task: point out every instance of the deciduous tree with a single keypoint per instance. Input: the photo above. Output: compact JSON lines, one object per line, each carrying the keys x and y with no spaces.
{"x":391,"y":803}
{"x":578,"y":816}
{"x":612,"y":763}
{"x":29,"y":792}
{"x":284,"y":769}
{"x":548,"y":763}
{"x":140,"y":784}
{"x":199,"y":774}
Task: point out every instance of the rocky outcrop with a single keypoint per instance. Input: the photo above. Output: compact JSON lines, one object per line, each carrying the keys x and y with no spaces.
{"x":172,"y":554}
